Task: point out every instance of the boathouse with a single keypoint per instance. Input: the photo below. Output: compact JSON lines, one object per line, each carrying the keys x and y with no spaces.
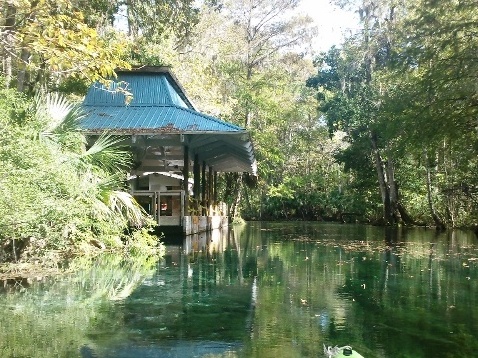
{"x":178,"y":151}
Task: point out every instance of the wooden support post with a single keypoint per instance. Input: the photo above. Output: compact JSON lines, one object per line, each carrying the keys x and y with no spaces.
{"x":186,"y":180}
{"x":209,"y":190}
{"x":203,"y":189}
{"x":197,"y":184}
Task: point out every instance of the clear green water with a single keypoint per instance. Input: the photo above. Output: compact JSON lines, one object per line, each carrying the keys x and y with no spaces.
{"x":260,"y":290}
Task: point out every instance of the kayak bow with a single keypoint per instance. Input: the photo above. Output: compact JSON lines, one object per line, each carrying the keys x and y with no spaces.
{"x":341,"y":352}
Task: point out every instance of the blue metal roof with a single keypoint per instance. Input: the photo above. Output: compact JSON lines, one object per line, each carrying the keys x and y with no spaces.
{"x":147,"y":89}
{"x":151,"y":119}
{"x":159,"y":104}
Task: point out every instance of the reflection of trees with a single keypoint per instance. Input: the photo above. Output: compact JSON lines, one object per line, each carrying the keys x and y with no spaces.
{"x":296,"y":299}
{"x":366,"y":287}
{"x":409,"y":289}
{"x":201,"y":291}
{"x":54,"y":318}
{"x":283,"y":289}
{"x":222,"y":258}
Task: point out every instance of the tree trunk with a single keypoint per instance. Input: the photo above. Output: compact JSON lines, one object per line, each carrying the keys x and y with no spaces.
{"x":133,"y":30}
{"x":234,"y":209}
{"x":22,"y":76}
{"x":406,"y":218}
{"x":234,"y":196}
{"x":382,"y":182}
{"x":431,"y":206}
{"x":248,"y":200}
{"x":393,"y":191}
{"x":232,"y":193}
{"x":9,"y":42}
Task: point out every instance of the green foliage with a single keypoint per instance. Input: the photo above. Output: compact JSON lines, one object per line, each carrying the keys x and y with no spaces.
{"x":144,"y":242}
{"x":55,"y":194}
{"x":77,"y":303}
{"x":48,"y":42}
{"x":159,"y":19}
{"x":400,"y":90}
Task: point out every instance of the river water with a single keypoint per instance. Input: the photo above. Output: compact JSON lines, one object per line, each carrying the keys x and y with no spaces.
{"x":258,"y":290}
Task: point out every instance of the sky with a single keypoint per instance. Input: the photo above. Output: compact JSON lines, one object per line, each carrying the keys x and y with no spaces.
{"x":330,"y":20}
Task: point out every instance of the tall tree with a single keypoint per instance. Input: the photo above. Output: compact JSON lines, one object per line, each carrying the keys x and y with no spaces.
{"x":352,"y":87}
{"x":438,"y":59}
{"x":157,"y":19}
{"x":264,"y":30}
{"x":45,"y":42}
{"x":402,"y":84}
{"x":245,"y":71}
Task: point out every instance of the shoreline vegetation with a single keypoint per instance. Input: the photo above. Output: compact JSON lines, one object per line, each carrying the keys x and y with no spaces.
{"x":59,"y":198}
{"x":22,"y":274}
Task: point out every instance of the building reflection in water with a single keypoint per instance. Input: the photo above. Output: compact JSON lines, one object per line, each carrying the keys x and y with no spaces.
{"x":211,"y":241}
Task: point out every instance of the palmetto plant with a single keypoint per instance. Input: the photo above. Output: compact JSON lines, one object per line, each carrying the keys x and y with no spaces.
{"x":101,"y":166}
{"x":56,"y":191}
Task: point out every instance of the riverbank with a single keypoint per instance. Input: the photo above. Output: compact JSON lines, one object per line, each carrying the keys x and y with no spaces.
{"x":58,"y":262}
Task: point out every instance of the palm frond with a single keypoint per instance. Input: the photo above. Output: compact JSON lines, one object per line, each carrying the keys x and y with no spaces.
{"x":101,"y":167}
{"x":124,"y":204}
{"x":58,"y":109}
{"x":132,"y":211}
{"x":70,"y":122}
{"x":106,"y":155}
{"x":51,"y":109}
{"x":119,"y":202}
{"x":60,"y":120}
